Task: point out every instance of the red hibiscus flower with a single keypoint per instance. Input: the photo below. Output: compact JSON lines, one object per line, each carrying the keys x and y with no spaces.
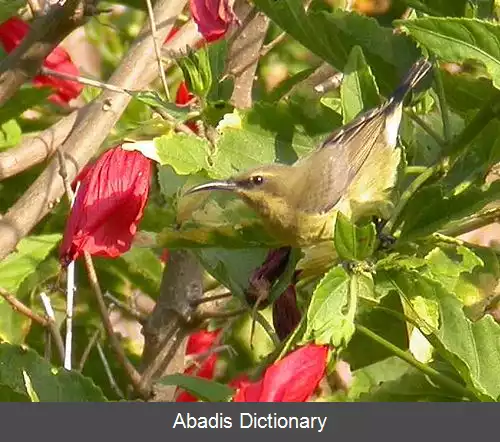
{"x":182,"y":98}
{"x":213,"y":17}
{"x":293,"y":379}
{"x":12,"y":33}
{"x":200,"y":343}
{"x":108,"y":206}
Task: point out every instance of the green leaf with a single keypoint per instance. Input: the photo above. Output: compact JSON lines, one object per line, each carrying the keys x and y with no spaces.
{"x":186,"y":154}
{"x":217,"y":54}
{"x":10,"y":134}
{"x":8,"y":8}
{"x":29,"y":388}
{"x":50,"y":384}
{"x":358,"y":90}
{"x":388,"y":54}
{"x":458,"y":40}
{"x":144,"y":269}
{"x":154,"y":100}
{"x":232,"y":268}
{"x":447,"y":7}
{"x":30,"y":252}
{"x":25,"y":98}
{"x":206,"y":390}
{"x":353,"y":243}
{"x":287,"y":85}
{"x":330,"y":316}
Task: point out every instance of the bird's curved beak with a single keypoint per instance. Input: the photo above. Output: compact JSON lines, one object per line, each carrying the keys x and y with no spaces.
{"x":213,"y":185}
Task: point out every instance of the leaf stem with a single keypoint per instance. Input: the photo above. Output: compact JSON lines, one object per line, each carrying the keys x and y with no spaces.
{"x":443,"y":105}
{"x":408,"y":193}
{"x":426,"y":369}
{"x":472,"y":223}
{"x":437,"y":138}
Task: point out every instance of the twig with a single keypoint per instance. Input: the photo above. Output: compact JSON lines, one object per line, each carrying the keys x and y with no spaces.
{"x":474,"y":222}
{"x":52,"y":325}
{"x":133,"y":374}
{"x":34,"y":7}
{"x":44,"y":322}
{"x":92,"y":341}
{"x":70,"y":271}
{"x":212,"y":298}
{"x":272,"y":44}
{"x":223,"y":315}
{"x":161,"y":69}
{"x":126,"y":308}
{"x":108,"y":372}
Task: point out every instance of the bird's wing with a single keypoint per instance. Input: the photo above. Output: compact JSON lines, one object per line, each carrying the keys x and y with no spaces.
{"x":330,"y":170}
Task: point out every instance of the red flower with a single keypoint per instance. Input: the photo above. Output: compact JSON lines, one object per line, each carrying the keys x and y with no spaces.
{"x":12,"y":33}
{"x":199,"y":343}
{"x":293,"y":379}
{"x":183,"y":97}
{"x":108,"y":206}
{"x":213,"y":17}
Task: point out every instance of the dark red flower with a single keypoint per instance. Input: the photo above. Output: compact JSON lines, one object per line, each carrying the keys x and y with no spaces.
{"x":213,"y":17}
{"x":108,"y":206}
{"x":200,"y":344}
{"x":12,"y":32}
{"x":286,"y":314}
{"x":293,"y":379}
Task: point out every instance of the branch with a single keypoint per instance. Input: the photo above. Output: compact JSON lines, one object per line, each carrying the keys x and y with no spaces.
{"x":89,"y":131}
{"x":37,"y":148}
{"x":46,"y":33}
{"x":171,"y":321}
{"x":244,"y":54}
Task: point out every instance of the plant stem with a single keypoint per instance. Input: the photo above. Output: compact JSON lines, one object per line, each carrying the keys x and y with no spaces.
{"x":443,"y":105}
{"x":472,"y":223}
{"x":429,"y":371}
{"x":437,"y":138}
{"x":408,"y":193}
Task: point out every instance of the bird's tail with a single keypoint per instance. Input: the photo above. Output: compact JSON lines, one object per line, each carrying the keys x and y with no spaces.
{"x":418,"y":71}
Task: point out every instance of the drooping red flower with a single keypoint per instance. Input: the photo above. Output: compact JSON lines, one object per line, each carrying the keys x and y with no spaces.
{"x":200,"y":343}
{"x":108,"y":206}
{"x":293,"y":379}
{"x":213,"y":17}
{"x":12,"y":32}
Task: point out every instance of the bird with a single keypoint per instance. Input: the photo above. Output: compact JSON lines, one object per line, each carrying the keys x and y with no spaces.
{"x":355,"y":171}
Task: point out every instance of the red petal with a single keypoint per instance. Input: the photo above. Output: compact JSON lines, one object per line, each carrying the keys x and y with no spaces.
{"x":12,"y":31}
{"x":183,"y":95}
{"x":108,"y":207}
{"x":207,"y":15}
{"x":201,"y":341}
{"x":293,"y":379}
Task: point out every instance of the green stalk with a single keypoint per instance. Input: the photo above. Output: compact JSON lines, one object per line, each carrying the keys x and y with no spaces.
{"x":429,"y":371}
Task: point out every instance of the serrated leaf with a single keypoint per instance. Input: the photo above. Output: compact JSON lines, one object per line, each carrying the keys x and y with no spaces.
{"x":458,"y":40}
{"x":30,"y":252}
{"x":186,"y":154}
{"x":206,"y":390}
{"x":330,"y":316}
{"x":358,"y":91}
{"x":50,"y":384}
{"x":353,"y":243}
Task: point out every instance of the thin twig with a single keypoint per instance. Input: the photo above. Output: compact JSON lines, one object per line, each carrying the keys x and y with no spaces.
{"x":92,"y":341}
{"x":133,"y":374}
{"x":109,"y":373}
{"x":272,"y":44}
{"x":205,"y":299}
{"x":19,"y":306}
{"x":126,"y":308}
{"x":471,"y":223}
{"x":223,"y":315}
{"x":52,"y":325}
{"x":159,"y":60}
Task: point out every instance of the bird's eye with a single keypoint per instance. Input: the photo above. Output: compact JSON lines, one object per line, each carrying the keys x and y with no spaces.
{"x":257,"y":180}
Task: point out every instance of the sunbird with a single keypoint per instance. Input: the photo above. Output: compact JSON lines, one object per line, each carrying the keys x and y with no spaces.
{"x":355,"y":171}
